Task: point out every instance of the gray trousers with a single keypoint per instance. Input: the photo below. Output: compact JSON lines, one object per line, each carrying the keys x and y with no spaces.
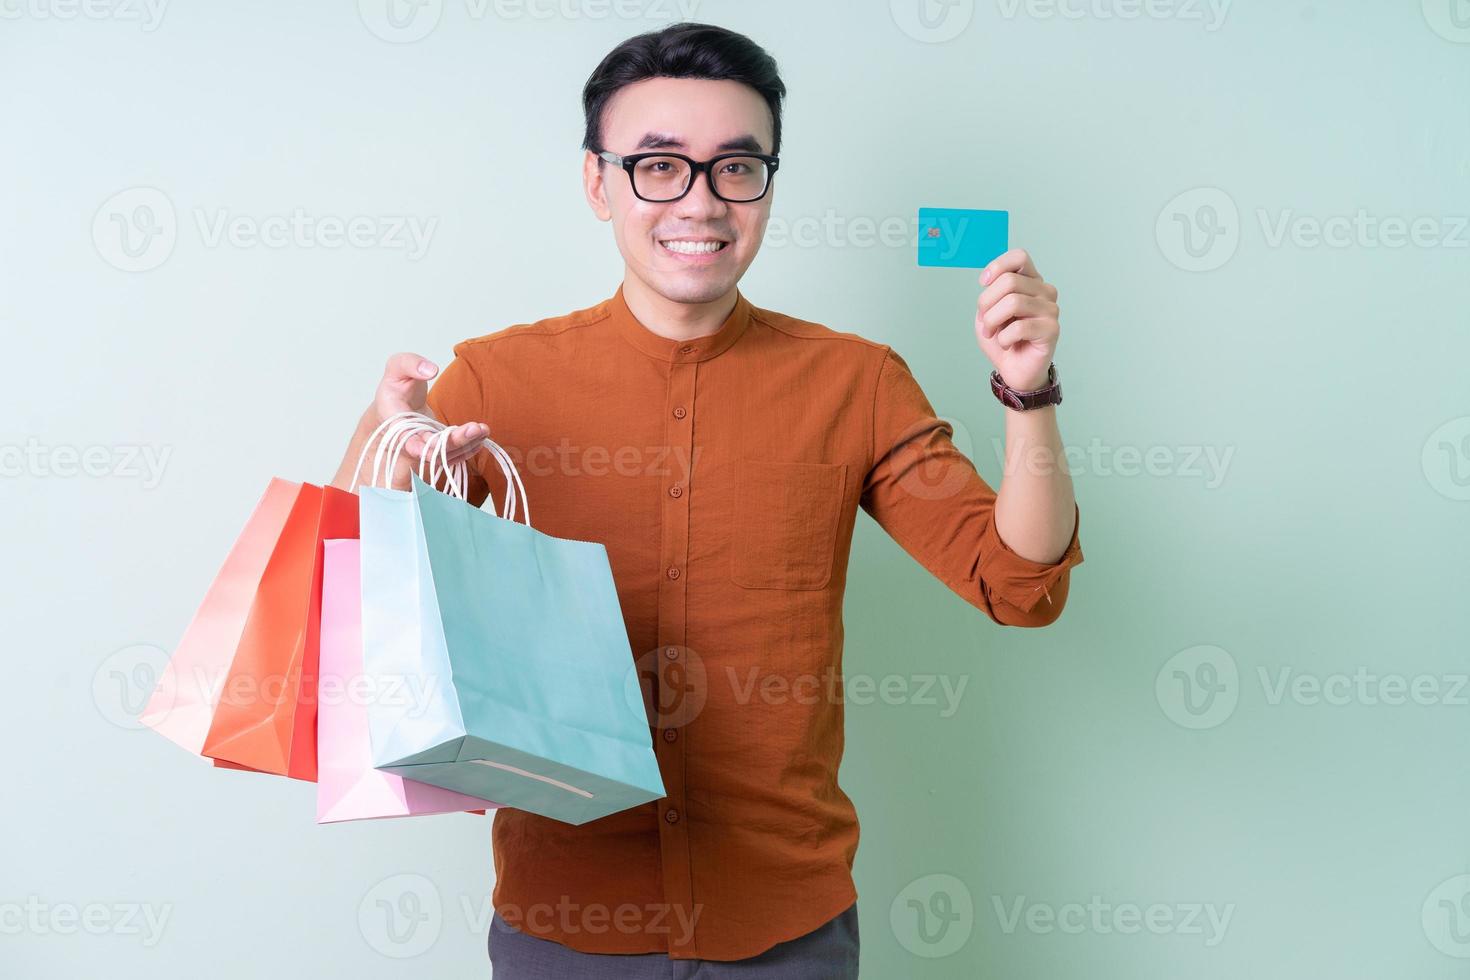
{"x":829,"y":952}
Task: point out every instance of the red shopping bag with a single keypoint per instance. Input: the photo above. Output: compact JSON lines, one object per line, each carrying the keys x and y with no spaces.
{"x":265,"y":718}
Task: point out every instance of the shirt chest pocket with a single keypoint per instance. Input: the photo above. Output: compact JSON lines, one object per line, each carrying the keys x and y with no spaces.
{"x":786,"y":515}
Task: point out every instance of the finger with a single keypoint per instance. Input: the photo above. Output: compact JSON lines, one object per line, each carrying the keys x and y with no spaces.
{"x":1029,"y":328}
{"x":413,"y":447}
{"x":1016,"y":260}
{"x":1014,"y":282}
{"x":460,"y":442}
{"x":404,"y":384}
{"x":409,"y":367}
{"x":1014,"y":306}
{"x":464,"y":440}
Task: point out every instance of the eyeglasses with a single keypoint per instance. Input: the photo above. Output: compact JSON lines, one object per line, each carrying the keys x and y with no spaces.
{"x":659,"y":178}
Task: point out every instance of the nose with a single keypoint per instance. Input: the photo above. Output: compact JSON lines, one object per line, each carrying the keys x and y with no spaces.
{"x":700,"y":203}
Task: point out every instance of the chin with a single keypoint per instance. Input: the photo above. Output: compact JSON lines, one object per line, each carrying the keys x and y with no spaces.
{"x":691,"y":289}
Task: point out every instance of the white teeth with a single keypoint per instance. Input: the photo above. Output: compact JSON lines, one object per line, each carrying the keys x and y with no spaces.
{"x":693,"y":248}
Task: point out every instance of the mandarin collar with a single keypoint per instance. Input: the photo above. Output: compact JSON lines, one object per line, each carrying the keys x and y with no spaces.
{"x":631,"y":329}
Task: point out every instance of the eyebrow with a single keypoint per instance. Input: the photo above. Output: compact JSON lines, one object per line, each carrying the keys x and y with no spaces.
{"x":664,"y":141}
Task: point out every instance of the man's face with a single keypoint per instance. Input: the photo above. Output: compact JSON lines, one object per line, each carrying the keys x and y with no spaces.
{"x":698,"y":118}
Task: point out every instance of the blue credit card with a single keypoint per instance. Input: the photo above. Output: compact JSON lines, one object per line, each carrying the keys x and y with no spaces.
{"x":961,"y":238}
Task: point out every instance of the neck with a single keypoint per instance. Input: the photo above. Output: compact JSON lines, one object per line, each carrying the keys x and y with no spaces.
{"x":676,"y":321}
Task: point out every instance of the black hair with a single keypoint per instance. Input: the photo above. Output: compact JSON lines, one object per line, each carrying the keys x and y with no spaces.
{"x":683,"y":50}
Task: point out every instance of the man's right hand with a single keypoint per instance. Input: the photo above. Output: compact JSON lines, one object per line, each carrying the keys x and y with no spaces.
{"x":405,"y":388}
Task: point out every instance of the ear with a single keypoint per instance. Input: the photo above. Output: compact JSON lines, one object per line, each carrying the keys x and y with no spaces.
{"x":593,"y":169}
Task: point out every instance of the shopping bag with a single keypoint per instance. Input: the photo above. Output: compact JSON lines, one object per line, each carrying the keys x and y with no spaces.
{"x":182,"y":704}
{"x":265,"y":716}
{"x":348,"y":787}
{"x":516,"y":640}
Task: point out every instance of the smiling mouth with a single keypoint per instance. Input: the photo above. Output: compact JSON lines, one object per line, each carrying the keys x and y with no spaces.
{"x":693,"y":246}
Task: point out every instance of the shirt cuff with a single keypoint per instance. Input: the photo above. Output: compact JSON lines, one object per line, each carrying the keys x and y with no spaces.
{"x":1021,"y":582}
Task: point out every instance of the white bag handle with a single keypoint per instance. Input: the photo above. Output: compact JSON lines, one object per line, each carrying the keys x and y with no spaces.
{"x":392,"y":436}
{"x":400,"y":427}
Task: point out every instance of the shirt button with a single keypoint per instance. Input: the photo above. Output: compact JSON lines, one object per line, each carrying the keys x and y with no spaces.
{"x":671,"y":815}
{"x":671,"y":652}
{"x":673,"y":573}
{"x":676,"y":491}
{"x":670,"y":734}
{"x":686,"y":349}
{"x":679,"y":412}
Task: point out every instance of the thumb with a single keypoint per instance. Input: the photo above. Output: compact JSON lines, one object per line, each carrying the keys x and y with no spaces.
{"x":404,"y":385}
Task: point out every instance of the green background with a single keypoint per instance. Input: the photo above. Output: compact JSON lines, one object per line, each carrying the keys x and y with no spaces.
{"x":1328,"y":379}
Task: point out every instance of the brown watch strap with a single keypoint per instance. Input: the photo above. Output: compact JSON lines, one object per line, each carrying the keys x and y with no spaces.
{"x":1023,"y":401}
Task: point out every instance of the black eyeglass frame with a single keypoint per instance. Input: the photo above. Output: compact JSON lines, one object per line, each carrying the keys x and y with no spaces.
{"x":695,"y":166}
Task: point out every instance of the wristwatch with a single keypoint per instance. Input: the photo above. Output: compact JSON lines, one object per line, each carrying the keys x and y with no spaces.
{"x":1023,"y":401}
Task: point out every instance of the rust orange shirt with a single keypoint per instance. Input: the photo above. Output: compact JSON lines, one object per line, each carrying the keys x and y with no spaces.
{"x":724,"y":475}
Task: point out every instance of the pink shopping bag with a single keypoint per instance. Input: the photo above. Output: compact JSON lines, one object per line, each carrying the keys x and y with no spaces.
{"x":348,"y":787}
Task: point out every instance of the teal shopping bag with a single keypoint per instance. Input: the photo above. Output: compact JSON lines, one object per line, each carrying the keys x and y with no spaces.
{"x":403,"y":649}
{"x":529,"y":696}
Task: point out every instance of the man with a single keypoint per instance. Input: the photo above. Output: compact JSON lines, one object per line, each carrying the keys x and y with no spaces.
{"x":721,"y":451}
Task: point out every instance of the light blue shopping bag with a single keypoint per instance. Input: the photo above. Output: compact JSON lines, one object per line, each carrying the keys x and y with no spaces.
{"x":517,"y":680}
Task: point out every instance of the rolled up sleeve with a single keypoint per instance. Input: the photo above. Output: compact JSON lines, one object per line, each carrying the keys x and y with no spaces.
{"x":928,"y":496}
